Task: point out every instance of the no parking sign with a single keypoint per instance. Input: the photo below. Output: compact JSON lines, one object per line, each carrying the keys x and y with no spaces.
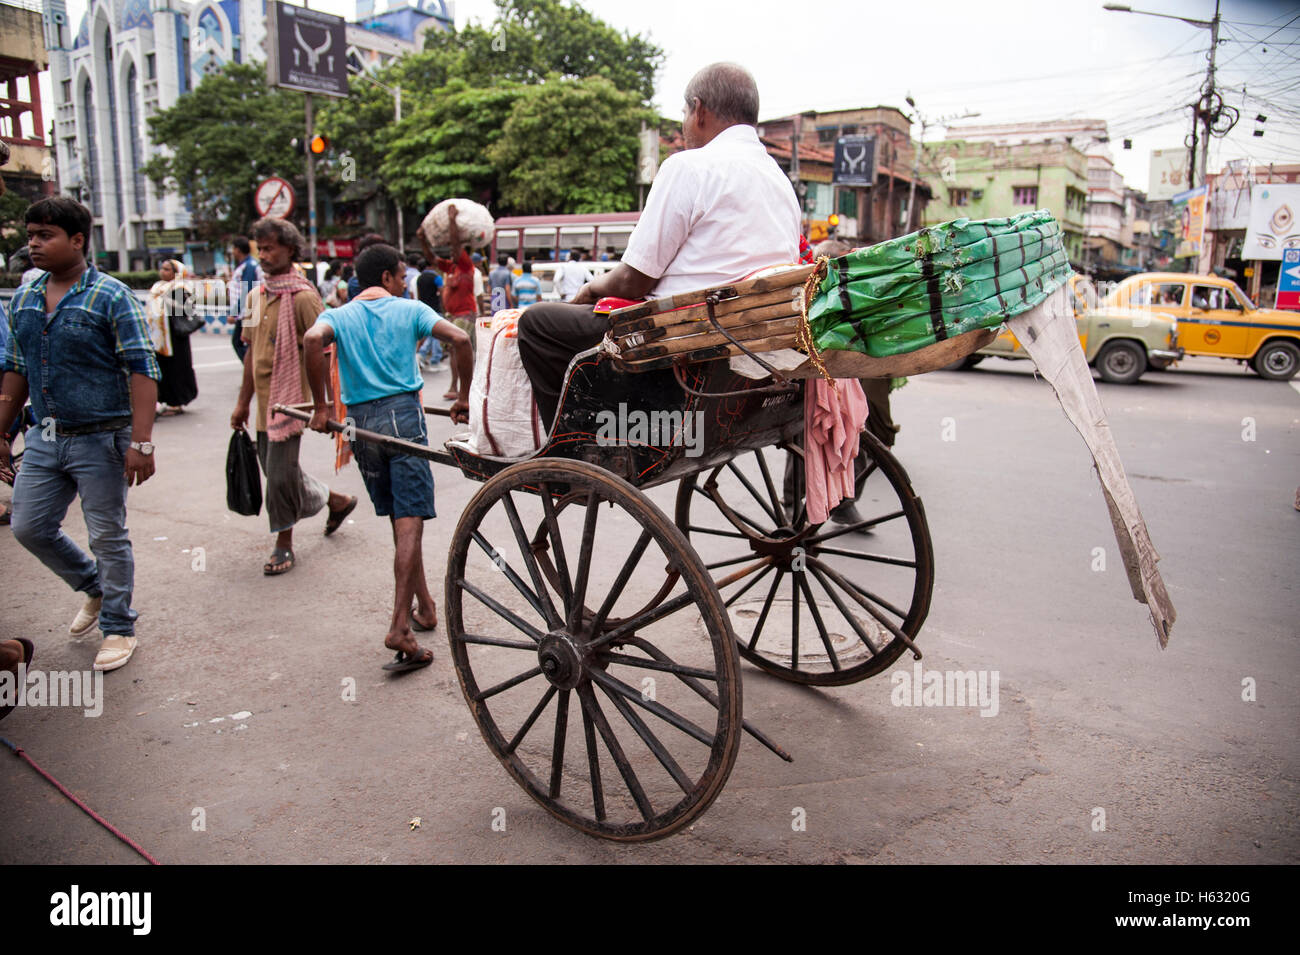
{"x":1288,"y":281}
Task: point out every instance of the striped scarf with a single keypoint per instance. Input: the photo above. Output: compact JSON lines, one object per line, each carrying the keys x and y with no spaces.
{"x":286,"y":367}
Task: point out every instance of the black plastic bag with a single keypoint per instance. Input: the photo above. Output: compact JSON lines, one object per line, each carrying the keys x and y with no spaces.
{"x":243,"y":480}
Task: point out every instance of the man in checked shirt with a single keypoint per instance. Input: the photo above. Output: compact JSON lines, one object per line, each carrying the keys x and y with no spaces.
{"x":79,"y":348}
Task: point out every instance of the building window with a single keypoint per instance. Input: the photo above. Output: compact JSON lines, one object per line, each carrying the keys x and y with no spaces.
{"x":848,"y":203}
{"x":1025,"y":195}
{"x":150,"y":67}
{"x":827,"y":134}
{"x":90,"y":172}
{"x":137,"y":144}
{"x":958,"y":197}
{"x":67,"y":91}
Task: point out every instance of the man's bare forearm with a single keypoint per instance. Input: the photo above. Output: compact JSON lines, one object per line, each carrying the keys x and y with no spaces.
{"x":14,"y":390}
{"x":620,"y":282}
{"x":144,"y":397}
{"x":314,"y":356}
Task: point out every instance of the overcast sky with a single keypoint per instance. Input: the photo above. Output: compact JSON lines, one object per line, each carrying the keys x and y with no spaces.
{"x":1008,"y":60}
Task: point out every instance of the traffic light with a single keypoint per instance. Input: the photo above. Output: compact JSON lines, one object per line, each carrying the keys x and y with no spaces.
{"x":317,"y":144}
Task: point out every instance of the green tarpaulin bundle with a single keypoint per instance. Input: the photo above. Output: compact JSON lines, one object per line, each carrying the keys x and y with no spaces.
{"x":937,"y":283}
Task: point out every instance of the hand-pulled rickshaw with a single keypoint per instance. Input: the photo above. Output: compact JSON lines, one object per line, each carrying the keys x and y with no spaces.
{"x":597,"y":646}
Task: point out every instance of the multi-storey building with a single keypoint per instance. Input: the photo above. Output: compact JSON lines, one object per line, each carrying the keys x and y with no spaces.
{"x":128,"y":59}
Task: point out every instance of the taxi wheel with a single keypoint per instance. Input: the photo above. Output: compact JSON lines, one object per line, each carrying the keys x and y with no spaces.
{"x":1122,"y":363}
{"x":1278,"y":361}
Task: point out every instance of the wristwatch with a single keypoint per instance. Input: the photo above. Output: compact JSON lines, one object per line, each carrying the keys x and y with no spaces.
{"x":144,"y":447}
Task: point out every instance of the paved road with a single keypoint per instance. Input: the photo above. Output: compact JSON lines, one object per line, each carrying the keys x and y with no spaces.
{"x":1092,"y":715}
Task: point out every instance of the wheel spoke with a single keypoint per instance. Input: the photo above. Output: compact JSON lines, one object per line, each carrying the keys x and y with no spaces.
{"x":496,"y":642}
{"x":664,"y":665}
{"x":507,"y":684}
{"x":584,"y":564}
{"x":624,"y":575}
{"x":658,"y":709}
{"x":817,"y":619}
{"x":728,"y":562}
{"x":589,"y":701}
{"x":794,"y":619}
{"x":557,"y":749}
{"x":767,"y":606}
{"x":854,"y":528}
{"x":651,"y":741}
{"x":711,"y":697}
{"x":758,"y":529}
{"x":520,"y":623}
{"x":717,"y":533}
{"x":593,"y":763}
{"x":498,"y":559}
{"x":857,"y":555}
{"x":743,"y":590}
{"x":557,"y":542}
{"x":548,"y":611}
{"x":901,"y":615}
{"x":644,"y":620}
{"x":532,"y":718}
{"x":844,"y":610}
{"x":753,"y":492}
{"x":864,"y":603}
{"x":771,"y":488}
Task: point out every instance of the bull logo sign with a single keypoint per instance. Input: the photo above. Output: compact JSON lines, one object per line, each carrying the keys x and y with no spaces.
{"x":313,"y":53}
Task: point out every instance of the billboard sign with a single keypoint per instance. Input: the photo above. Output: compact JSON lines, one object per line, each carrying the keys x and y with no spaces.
{"x":1272,"y":225}
{"x":1189,"y":207}
{"x":855,"y":161}
{"x":1168,"y":173}
{"x":1288,"y":281}
{"x":306,"y":50}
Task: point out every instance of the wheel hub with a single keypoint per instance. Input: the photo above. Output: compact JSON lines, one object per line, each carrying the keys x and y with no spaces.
{"x":560,"y":660}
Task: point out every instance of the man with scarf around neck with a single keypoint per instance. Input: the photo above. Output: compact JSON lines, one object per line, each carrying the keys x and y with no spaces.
{"x":279,"y":314}
{"x":375,"y":337}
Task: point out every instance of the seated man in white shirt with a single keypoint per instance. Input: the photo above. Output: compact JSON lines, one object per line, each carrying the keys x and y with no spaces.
{"x":716,"y":212}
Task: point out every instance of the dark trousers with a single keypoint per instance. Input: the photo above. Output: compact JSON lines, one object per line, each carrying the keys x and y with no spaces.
{"x":237,"y":339}
{"x":550,"y":334}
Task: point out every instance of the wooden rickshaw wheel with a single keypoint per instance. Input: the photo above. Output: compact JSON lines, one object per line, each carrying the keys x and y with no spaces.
{"x":765,"y":536}
{"x":672,"y":750}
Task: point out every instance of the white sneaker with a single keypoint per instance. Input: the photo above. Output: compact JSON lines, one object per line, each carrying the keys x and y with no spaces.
{"x":114,"y":652}
{"x":87,"y":616}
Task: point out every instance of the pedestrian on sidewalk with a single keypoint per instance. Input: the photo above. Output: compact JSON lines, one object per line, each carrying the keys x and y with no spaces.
{"x":79,"y":346}
{"x":458,"y":301}
{"x":374,"y":336}
{"x":280,"y":311}
{"x":243,"y":277}
{"x":171,"y":302}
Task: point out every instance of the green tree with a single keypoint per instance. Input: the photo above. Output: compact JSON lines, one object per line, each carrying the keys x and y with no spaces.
{"x":221,"y":139}
{"x":532,"y":39}
{"x":570,"y":146}
{"x":441,"y":149}
{"x":13,"y":223}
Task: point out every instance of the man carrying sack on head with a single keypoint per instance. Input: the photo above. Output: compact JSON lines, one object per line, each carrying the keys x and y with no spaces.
{"x":280,"y":312}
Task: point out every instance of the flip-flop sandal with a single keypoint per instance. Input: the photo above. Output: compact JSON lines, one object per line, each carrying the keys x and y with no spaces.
{"x":416,"y":625}
{"x":278,"y":556}
{"x":337,"y":518}
{"x":29,"y":651}
{"x":403,"y":662}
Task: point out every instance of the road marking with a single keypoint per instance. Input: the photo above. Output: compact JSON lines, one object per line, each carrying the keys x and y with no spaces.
{"x":1294,"y":384}
{"x":213,"y":347}
{"x":218,"y":364}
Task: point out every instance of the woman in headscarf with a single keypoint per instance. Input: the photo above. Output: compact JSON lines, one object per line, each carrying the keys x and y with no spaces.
{"x":169,"y":302}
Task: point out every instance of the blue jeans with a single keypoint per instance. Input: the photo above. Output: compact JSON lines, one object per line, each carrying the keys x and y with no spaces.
{"x":52,"y":474}
{"x":430,"y":350}
{"x":399,"y":484}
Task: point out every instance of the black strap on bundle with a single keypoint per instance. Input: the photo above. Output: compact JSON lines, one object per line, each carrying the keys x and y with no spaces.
{"x":936,"y":297}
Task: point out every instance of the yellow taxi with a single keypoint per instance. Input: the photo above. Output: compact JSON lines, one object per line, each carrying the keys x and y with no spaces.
{"x":1216,"y":319}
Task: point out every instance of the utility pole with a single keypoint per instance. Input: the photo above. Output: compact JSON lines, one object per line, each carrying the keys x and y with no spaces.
{"x":311,"y":185}
{"x":916,"y":155}
{"x":1210,"y":107}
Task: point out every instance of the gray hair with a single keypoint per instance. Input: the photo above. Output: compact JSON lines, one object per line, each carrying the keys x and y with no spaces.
{"x":727,"y":90}
{"x":282,"y":231}
{"x":832,"y":248}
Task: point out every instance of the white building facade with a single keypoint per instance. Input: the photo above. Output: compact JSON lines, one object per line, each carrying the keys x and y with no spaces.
{"x":129,"y":59}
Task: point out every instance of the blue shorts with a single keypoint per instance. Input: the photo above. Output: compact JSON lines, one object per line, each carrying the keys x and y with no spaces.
{"x":399,"y":484}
